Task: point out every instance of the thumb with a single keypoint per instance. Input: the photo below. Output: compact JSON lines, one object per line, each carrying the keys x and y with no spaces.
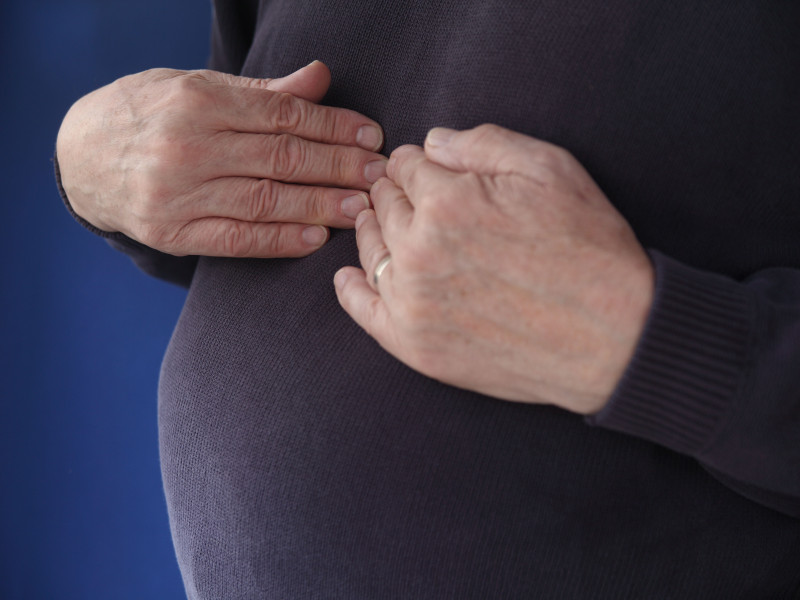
{"x":310,"y":83}
{"x":487,"y":149}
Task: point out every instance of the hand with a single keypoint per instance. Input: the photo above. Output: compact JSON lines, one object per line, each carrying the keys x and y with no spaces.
{"x":208,"y":163}
{"x":511,"y":274}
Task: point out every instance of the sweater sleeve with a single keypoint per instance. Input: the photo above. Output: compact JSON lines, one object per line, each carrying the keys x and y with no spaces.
{"x":716,"y":375}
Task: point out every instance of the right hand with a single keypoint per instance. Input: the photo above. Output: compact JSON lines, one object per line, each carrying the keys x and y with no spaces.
{"x":207,"y":163}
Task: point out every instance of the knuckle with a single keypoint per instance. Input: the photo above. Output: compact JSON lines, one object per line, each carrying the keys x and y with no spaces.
{"x":133,"y":83}
{"x":565,"y":155}
{"x":189,"y":85}
{"x":488,"y":129}
{"x":553,"y":157}
{"x":202,"y":77}
{"x":486,"y":132}
{"x":331,"y":123}
{"x":345,"y":165}
{"x":287,"y":156}
{"x":286,"y":111}
{"x":154,"y":73}
{"x":237,"y":240}
{"x":319,"y":209}
{"x":262,"y":200}
{"x":341,"y":164}
{"x":542,"y":175}
{"x":185,"y":93}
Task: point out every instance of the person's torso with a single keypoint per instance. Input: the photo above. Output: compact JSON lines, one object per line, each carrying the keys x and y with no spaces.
{"x":319,"y":466}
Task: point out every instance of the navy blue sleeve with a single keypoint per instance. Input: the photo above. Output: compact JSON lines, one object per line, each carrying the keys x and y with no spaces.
{"x":716,"y":376}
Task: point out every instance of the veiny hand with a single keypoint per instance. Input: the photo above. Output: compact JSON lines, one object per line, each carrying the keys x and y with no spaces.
{"x":208,"y":163}
{"x":511,"y":274}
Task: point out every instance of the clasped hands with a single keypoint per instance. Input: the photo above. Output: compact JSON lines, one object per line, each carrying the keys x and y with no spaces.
{"x":511,"y":274}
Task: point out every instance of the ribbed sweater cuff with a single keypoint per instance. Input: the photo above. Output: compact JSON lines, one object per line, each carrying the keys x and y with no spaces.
{"x":689,"y":363}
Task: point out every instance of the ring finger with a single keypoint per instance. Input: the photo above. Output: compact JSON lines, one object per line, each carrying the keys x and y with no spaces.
{"x":372,"y":248}
{"x":393,"y":210}
{"x":292,"y":159}
{"x":267,"y":201}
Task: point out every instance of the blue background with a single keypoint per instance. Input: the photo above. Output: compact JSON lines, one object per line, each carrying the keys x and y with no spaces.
{"x":82,"y":511}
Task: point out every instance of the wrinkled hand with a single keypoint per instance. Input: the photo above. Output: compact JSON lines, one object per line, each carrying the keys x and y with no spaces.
{"x":511,"y":273}
{"x":208,"y":163}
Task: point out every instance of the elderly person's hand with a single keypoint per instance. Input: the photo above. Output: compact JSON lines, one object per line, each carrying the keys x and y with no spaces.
{"x":511,"y":274}
{"x":207,"y":163}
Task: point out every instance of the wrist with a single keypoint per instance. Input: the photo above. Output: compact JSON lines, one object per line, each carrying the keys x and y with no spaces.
{"x":68,"y":202}
{"x":630,"y":306}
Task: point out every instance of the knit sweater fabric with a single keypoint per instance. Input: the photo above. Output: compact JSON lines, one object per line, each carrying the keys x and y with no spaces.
{"x":300,"y":460}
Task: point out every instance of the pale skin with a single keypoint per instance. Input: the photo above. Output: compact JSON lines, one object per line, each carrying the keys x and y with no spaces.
{"x":511,"y":272}
{"x":207,"y":163}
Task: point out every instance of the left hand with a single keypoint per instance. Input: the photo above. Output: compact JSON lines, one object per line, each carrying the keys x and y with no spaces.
{"x":511,"y":272}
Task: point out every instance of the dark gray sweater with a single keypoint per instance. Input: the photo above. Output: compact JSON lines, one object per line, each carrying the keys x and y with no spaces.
{"x":302,"y":461}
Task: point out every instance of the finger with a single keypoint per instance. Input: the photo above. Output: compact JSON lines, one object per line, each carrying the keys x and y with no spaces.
{"x":267,"y":106}
{"x":371,"y":248}
{"x":411,"y":170}
{"x":268,"y":201}
{"x":292,"y":159}
{"x":393,"y":210}
{"x":487,"y":149}
{"x":228,"y":237}
{"x":365,"y":307}
{"x":310,"y":82}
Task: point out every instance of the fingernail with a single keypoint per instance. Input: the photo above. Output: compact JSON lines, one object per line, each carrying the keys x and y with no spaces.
{"x":369,"y":137}
{"x":341,"y":278}
{"x":439,"y":136}
{"x":353,"y":205}
{"x":362,"y":216}
{"x":315,"y":235}
{"x":375,"y":170}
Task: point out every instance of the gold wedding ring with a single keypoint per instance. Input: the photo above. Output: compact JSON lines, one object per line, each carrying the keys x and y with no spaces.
{"x":376,"y":275}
